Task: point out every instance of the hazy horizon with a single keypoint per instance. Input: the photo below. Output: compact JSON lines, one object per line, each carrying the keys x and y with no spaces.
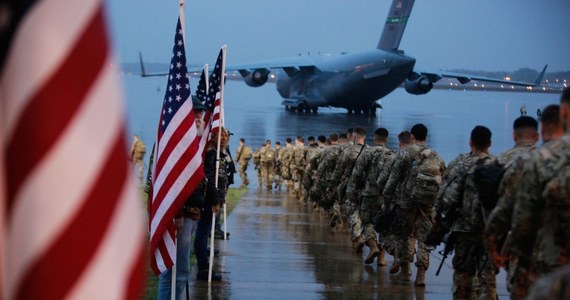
{"x":442,"y":35}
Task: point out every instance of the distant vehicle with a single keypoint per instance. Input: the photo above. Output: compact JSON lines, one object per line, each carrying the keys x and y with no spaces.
{"x":354,"y":81}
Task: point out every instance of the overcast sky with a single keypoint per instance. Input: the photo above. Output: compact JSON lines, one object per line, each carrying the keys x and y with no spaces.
{"x":488,"y":35}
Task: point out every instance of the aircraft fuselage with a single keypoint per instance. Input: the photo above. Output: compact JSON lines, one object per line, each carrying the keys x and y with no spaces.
{"x":352,"y":81}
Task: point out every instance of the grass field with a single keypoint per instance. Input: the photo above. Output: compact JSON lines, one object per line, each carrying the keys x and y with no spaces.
{"x":150,"y":290}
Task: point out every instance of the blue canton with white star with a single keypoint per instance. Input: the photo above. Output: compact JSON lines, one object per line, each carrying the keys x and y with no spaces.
{"x":178,"y":86}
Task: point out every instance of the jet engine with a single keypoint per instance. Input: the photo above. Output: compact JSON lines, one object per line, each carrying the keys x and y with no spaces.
{"x":418,"y":84}
{"x":256,"y":78}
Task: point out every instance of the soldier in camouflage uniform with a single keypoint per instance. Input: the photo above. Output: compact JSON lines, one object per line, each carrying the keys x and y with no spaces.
{"x":307,"y":180}
{"x":418,"y":170}
{"x":267,"y":159}
{"x":474,"y":275}
{"x":257,"y":166}
{"x":339,"y":180}
{"x":326,"y":168}
{"x":277,"y":179}
{"x":388,"y":238}
{"x":499,"y":221}
{"x":243,"y":155}
{"x":362,"y":189}
{"x":285,"y":159}
{"x":312,"y":162}
{"x":540,"y":235}
{"x":297,"y":165}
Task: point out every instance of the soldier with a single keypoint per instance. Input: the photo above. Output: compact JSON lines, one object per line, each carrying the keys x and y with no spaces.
{"x":417,"y":170}
{"x":307,"y":181}
{"x":339,"y":180}
{"x":540,"y":238}
{"x":277,"y":176}
{"x":267,"y":159}
{"x":525,"y":135}
{"x":325,"y":169}
{"x":473,"y":272}
{"x":389,"y":240}
{"x":334,"y":181}
{"x":285,"y":159}
{"x":297,"y":166}
{"x":138,"y":150}
{"x":364,"y":182}
{"x":313,"y":156}
{"x":257,"y":166}
{"x":243,"y":155}
{"x":499,"y":221}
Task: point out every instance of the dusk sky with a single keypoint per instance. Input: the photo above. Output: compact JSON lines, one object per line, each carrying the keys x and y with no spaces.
{"x":488,"y":35}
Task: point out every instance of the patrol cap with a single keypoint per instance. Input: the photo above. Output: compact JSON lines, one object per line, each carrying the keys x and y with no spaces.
{"x":197,"y":104}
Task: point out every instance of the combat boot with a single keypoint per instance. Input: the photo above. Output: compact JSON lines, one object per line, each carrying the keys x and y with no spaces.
{"x":405,"y":272}
{"x":395,"y":267}
{"x":374,"y":251}
{"x":358,"y":244}
{"x":334,"y":219}
{"x":420,"y":277}
{"x":381,"y":259}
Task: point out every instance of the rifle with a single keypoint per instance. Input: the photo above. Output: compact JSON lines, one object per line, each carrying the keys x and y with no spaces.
{"x":446,"y":251}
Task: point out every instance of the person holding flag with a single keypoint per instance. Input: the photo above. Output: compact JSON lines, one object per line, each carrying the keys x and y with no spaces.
{"x":215,"y":166}
{"x":177,"y":175}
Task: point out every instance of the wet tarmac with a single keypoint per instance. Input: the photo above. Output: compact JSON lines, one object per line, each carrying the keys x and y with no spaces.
{"x":283,"y":249}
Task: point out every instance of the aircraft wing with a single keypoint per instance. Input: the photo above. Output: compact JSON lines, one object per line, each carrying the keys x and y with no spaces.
{"x":290,"y":65}
{"x":465,"y":78}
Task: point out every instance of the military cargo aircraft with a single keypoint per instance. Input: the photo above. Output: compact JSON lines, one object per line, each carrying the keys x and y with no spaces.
{"x":354,"y":81}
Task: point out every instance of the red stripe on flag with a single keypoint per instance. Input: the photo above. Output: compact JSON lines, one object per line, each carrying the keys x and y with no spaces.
{"x":136,"y":278}
{"x":81,"y":67}
{"x":171,"y":143}
{"x":74,"y":248}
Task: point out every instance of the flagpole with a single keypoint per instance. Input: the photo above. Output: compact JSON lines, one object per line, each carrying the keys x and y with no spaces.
{"x":211,"y":261}
{"x":222,"y":120}
{"x":213,"y":213}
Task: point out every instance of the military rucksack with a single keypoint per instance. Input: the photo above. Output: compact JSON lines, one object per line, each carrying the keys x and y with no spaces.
{"x":247,"y":153}
{"x":487,"y":178}
{"x":257,"y":157}
{"x":557,"y":207}
{"x":425,"y":174}
{"x":268,"y":156}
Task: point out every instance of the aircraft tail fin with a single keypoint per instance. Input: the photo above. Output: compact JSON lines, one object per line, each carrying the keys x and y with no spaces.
{"x":395,"y":24}
{"x":540,"y":76}
{"x":143,"y":71}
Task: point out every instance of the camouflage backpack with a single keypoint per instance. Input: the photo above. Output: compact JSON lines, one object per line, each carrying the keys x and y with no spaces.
{"x":257,"y":157}
{"x":425,"y":175}
{"x":247,"y":153}
{"x":556,"y":216}
{"x":487,"y":178}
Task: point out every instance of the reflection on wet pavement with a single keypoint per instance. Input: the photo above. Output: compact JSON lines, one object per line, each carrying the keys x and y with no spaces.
{"x":283,"y":249}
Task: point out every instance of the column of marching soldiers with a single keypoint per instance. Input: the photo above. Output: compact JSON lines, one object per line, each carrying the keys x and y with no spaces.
{"x":510,"y":210}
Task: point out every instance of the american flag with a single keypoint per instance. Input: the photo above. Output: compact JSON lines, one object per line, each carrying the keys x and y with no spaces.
{"x":209,"y":94}
{"x":202,"y":95}
{"x":215,"y":91}
{"x":178,"y":165}
{"x":72,"y":219}
{"x":212,"y":99}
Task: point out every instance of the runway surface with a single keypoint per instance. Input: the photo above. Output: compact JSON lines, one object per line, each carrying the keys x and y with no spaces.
{"x":280,"y":248}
